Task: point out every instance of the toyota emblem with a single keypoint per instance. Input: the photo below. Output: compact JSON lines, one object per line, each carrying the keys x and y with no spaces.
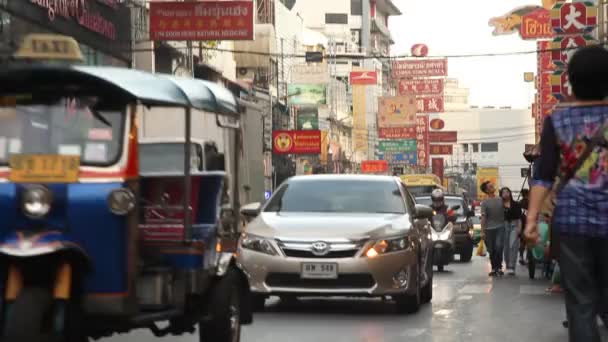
{"x":320,"y":248}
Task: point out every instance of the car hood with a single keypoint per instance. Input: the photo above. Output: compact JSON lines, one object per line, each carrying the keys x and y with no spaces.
{"x":313,"y":226}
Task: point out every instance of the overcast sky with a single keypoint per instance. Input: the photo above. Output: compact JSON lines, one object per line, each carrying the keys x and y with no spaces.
{"x":451,"y":27}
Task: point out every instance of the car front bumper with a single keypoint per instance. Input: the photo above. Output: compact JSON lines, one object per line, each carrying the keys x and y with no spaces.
{"x":360,"y":276}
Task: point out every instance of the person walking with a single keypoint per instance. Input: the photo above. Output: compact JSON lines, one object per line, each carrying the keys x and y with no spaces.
{"x":523,"y":203}
{"x":574,"y":148}
{"x":493,"y":226}
{"x":512,"y":224}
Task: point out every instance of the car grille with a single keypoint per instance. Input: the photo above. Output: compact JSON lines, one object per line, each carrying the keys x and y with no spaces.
{"x":344,"y":281}
{"x":334,"y":249}
{"x":308,"y":254}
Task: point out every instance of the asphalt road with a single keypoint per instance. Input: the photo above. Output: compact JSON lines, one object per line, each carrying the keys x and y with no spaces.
{"x":467,"y":306}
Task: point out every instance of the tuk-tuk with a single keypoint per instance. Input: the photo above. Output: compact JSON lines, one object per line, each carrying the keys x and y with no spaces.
{"x":92,"y":243}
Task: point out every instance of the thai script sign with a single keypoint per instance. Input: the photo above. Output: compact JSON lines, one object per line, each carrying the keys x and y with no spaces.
{"x":421,"y":86}
{"x":420,"y":68}
{"x":397,"y":133}
{"x":296,"y":142}
{"x":397,"y":146}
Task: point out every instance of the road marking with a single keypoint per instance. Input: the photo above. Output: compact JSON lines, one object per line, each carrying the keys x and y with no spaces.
{"x":413,"y":332}
{"x":463,"y":298}
{"x":444,"y":312}
{"x":476,"y":289}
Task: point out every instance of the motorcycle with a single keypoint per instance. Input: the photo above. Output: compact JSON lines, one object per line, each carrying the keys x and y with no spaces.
{"x":442,"y":235}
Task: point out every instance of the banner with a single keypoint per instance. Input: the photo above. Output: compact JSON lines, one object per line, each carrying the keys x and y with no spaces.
{"x":440,"y":149}
{"x":307,"y":118}
{"x":359,"y":118}
{"x":420,"y":68}
{"x":421,"y":86}
{"x":307,"y":94}
{"x":310,"y":74}
{"x":443,"y":137}
{"x":483,"y":175}
{"x":396,"y":111}
{"x":201,"y":20}
{"x":296,"y":142}
{"x":403,"y":158}
{"x":437,"y":165}
{"x":397,"y":133}
{"x":422,"y":135}
{"x":397,"y":146}
{"x":374,"y":166}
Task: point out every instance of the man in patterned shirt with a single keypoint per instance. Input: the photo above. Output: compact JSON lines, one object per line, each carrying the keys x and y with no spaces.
{"x":581,"y":211}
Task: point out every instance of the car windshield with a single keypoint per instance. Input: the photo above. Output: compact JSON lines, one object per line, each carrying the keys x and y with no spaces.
{"x":63,"y":126}
{"x":449,"y":201}
{"x":166,"y":158}
{"x":418,"y":190}
{"x":338,"y":196}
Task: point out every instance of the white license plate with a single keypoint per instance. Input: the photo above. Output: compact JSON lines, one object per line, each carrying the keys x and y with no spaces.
{"x":319,"y":271}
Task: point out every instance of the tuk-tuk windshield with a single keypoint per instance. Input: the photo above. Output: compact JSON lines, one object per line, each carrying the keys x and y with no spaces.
{"x":61,"y":125}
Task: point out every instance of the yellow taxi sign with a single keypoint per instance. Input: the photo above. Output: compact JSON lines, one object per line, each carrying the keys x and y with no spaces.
{"x":44,"y":168}
{"x":49,"y":47}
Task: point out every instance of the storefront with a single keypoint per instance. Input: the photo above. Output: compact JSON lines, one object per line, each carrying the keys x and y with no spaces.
{"x":102,"y":27}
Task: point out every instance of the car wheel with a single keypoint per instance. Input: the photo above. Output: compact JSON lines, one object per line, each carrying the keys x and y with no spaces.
{"x":410,"y":303}
{"x":467,"y":253}
{"x":225,"y":311}
{"x":440,"y":268}
{"x":426,"y":294}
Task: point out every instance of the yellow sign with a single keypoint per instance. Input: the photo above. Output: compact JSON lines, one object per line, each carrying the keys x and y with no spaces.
{"x":49,"y":46}
{"x":483,"y":175}
{"x":528,"y":77}
{"x":359,"y":118}
{"x":421,"y":180}
{"x":324,"y":144}
{"x":44,"y":168}
{"x":396,"y":111}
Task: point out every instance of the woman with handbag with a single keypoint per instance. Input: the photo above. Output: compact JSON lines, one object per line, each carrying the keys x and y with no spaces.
{"x":574,"y":149}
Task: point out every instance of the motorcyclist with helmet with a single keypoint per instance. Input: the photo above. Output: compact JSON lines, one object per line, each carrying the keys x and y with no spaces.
{"x":438,"y":204}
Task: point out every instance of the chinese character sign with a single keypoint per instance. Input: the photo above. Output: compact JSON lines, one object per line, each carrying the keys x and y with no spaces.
{"x":438,"y":166}
{"x":573,"y":18}
{"x":397,"y":133}
{"x":565,"y":47}
{"x":440,"y":149}
{"x":421,"y":86}
{"x":422,"y":136}
{"x":400,"y":158}
{"x":430,"y":104}
{"x":374,"y":166}
{"x":396,"y":111}
{"x":420,"y":68}
{"x":397,"y":146}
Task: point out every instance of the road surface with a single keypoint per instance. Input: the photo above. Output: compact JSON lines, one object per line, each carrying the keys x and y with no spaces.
{"x":467,"y":306}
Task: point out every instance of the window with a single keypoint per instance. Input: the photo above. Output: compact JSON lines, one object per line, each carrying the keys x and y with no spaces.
{"x":489,"y":147}
{"x":356,"y":7}
{"x":475,"y":147}
{"x":336,"y":18}
{"x":465,"y":148}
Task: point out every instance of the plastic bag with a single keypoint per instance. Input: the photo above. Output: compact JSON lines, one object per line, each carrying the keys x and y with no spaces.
{"x":538,"y":251}
{"x":481,"y":249}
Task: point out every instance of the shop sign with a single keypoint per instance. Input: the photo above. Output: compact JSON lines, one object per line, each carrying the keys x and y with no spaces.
{"x":296,"y":142}
{"x":536,"y":25}
{"x":405,"y":158}
{"x":545,"y":60}
{"x":397,"y":146}
{"x":102,"y":25}
{"x":363,"y":78}
{"x":430,"y":104}
{"x":421,"y":86}
{"x":560,"y":85}
{"x":397,"y":133}
{"x":310,"y":74}
{"x":420,"y":68}
{"x":438,"y":166}
{"x":374,"y":166}
{"x":563,"y":48}
{"x":201,"y":20}
{"x":396,"y":111}
{"x":573,"y":18}
{"x":422,"y":137}
{"x":441,"y":149}
{"x":437,"y":124}
{"x":443,"y":137}
{"x":307,"y":94}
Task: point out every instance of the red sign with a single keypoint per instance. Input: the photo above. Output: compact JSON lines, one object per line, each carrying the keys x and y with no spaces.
{"x":440,"y":149}
{"x":373,"y":166}
{"x":545,"y":90}
{"x":443,"y":137}
{"x":397,"y":133}
{"x":536,"y":25}
{"x":572,"y":18}
{"x":437,"y":124}
{"x":545,"y":60}
{"x":296,"y":142}
{"x":201,"y":20}
{"x":420,"y":50}
{"x":422,"y":137}
{"x":565,"y":47}
{"x":421,"y":86}
{"x":420,"y":68}
{"x":438,"y":167}
{"x":560,"y":85}
{"x":363,"y":77}
{"x":430,"y":104}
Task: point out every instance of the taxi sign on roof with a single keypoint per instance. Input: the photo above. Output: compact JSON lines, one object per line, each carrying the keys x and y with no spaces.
{"x":49,"y":47}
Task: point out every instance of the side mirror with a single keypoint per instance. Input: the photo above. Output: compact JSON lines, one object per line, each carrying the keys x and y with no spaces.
{"x":251,"y":210}
{"x":423,"y":212}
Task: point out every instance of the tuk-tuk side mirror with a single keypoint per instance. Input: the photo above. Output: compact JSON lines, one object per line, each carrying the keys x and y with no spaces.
{"x":423,"y":212}
{"x":251,"y":210}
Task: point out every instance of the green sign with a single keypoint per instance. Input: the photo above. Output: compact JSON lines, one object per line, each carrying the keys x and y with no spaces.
{"x":397,"y":146}
{"x":308,"y":118}
{"x":307,"y":94}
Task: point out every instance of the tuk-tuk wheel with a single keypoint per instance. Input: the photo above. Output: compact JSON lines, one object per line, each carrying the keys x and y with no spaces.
{"x":225,"y":311}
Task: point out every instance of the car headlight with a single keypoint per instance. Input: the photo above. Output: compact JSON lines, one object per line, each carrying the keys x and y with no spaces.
{"x":258,"y":244}
{"x":445,"y":235}
{"x":36,"y":201}
{"x":121,"y":201}
{"x":388,"y":246}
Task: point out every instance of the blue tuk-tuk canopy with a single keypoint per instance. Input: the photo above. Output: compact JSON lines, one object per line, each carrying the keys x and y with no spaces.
{"x":149,"y":89}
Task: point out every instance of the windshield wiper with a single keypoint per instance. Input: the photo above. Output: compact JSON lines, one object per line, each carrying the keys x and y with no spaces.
{"x":101,"y":118}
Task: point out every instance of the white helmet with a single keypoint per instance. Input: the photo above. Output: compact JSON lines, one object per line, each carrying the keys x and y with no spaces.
{"x":437,"y":197}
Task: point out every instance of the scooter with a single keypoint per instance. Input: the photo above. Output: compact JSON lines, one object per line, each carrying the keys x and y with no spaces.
{"x":442,"y":235}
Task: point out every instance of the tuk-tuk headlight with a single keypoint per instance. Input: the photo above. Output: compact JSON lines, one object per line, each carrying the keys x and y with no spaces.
{"x":121,"y":201}
{"x":36,"y":201}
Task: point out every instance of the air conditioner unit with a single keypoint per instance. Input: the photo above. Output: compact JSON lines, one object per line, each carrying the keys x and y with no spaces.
{"x":354,"y":37}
